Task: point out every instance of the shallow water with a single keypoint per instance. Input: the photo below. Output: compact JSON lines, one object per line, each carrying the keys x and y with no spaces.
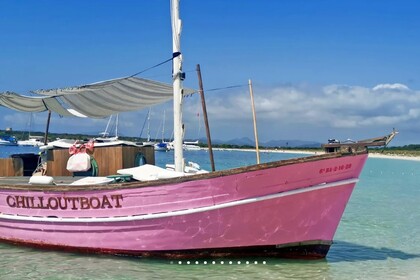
{"x":378,"y":237}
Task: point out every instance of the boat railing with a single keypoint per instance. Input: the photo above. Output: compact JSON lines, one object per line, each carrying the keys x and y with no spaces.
{"x":350,"y":146}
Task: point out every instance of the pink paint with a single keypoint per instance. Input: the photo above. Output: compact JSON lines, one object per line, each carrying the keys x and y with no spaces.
{"x":306,"y":216}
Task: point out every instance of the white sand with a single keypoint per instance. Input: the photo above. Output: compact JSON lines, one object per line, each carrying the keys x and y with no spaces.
{"x":379,"y":155}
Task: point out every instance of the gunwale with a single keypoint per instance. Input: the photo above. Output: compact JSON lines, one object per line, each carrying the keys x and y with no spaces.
{"x":10,"y":183}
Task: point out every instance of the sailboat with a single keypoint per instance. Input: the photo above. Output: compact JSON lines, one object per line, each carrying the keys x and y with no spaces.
{"x":148,"y":142}
{"x":105,"y":135}
{"x":191,"y":145}
{"x":34,"y":141}
{"x":194,"y":145}
{"x":162,"y":145}
{"x":289,"y":208}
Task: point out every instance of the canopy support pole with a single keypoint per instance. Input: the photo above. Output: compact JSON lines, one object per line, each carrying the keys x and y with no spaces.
{"x":47,"y":128}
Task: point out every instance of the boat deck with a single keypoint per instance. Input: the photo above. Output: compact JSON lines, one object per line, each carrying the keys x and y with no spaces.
{"x":24,"y":180}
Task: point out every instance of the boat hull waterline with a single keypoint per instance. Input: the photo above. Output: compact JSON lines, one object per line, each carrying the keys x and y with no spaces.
{"x":283,"y":210}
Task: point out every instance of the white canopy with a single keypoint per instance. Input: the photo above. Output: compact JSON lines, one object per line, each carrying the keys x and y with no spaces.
{"x":32,"y":104}
{"x":96,"y":100}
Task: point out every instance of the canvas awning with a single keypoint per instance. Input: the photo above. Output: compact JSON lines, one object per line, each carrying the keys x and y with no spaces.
{"x":96,"y":100}
{"x":32,"y":104}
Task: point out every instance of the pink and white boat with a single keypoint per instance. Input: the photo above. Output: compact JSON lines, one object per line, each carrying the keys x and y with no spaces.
{"x":287,"y":208}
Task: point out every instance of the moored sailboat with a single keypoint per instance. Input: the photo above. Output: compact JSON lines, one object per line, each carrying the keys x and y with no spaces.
{"x":105,"y":136}
{"x":162,"y":145}
{"x":34,"y":141}
{"x":287,"y":208}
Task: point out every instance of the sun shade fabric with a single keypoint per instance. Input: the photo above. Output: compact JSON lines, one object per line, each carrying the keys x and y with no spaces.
{"x":32,"y":104}
{"x":100,"y":99}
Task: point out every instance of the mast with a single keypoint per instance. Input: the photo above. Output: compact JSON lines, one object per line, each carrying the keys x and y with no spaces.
{"x":163,"y":125}
{"x":47,"y":128}
{"x":148,"y":125}
{"x":116,"y":126}
{"x":106,"y":133}
{"x":177,"y":77}
{"x":255,"y":121}
{"x":206,"y":121}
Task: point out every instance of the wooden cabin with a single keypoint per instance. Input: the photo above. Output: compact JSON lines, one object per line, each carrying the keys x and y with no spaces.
{"x":108,"y":159}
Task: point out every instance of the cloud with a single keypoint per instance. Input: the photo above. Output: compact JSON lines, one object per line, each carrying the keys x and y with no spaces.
{"x":391,"y":87}
{"x":328,"y":108}
{"x":283,"y":112}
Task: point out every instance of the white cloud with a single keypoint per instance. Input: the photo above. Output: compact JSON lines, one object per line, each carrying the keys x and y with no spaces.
{"x":331,"y":107}
{"x":391,"y":86}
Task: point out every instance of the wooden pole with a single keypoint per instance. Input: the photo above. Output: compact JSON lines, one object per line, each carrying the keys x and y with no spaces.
{"x":206,"y":121}
{"x":47,"y":128}
{"x":255,"y":121}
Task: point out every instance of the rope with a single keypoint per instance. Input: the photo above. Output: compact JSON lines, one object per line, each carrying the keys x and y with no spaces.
{"x":228,"y":87}
{"x":157,"y":65}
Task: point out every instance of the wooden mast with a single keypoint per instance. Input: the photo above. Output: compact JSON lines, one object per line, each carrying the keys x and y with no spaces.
{"x":255,"y":121}
{"x":47,"y":128}
{"x":206,"y":121}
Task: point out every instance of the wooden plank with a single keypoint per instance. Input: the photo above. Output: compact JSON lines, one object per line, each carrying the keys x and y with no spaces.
{"x":11,"y":167}
{"x":108,"y":159}
{"x":57,"y":162}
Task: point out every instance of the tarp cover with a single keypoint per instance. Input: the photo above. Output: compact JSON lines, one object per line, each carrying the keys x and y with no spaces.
{"x":96,"y":100}
{"x":32,"y":104}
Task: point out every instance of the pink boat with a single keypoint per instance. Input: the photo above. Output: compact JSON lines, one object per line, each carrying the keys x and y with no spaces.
{"x":287,"y":208}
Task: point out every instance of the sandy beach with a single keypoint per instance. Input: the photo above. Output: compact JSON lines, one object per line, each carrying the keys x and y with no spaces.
{"x":371,"y":154}
{"x":379,"y":155}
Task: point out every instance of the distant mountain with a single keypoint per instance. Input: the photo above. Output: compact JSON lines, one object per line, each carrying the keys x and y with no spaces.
{"x":241,"y":142}
{"x":272,"y":143}
{"x":292,"y":144}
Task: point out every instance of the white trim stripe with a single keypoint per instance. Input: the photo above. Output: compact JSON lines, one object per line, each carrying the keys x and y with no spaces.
{"x":179,"y":212}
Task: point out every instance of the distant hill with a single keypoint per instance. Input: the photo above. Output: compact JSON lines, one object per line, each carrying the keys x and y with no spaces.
{"x":292,"y":144}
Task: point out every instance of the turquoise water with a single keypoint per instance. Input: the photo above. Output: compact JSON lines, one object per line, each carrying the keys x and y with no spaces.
{"x":378,"y":237}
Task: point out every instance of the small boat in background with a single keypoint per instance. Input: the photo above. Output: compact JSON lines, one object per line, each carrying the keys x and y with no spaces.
{"x":34,"y":141}
{"x":105,"y":135}
{"x":191,"y":146}
{"x":148,"y":142}
{"x":162,"y":146}
{"x":7,"y":140}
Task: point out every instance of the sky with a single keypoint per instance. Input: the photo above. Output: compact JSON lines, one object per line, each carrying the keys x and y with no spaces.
{"x":319,"y":69}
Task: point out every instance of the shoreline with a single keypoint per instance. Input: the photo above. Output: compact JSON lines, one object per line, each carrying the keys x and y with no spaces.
{"x":371,"y":154}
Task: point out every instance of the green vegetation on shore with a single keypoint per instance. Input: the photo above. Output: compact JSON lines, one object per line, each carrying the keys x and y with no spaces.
{"x":412,"y":150}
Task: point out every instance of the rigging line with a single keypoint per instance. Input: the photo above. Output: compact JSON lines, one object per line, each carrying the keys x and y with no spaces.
{"x":176,"y":54}
{"x":159,"y":64}
{"x":228,"y":87}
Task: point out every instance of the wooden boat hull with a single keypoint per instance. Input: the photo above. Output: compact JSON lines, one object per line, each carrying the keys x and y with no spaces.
{"x":288,"y":209}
